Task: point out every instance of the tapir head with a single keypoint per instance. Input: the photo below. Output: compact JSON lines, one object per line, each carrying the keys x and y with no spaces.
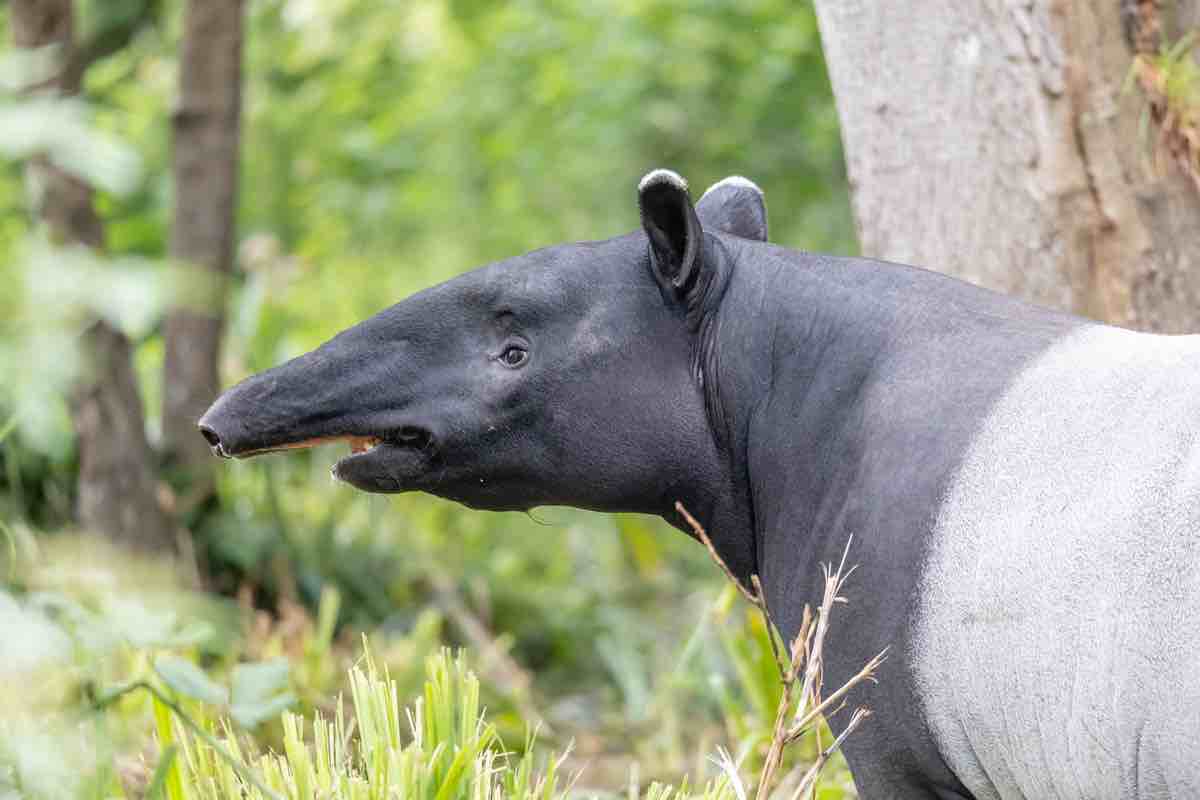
{"x":566,"y":376}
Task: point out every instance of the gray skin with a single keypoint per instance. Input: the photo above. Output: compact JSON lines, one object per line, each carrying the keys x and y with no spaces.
{"x":789,"y":400}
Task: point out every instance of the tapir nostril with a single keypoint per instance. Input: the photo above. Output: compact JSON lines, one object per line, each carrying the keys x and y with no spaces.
{"x":214,"y":439}
{"x":209,"y":434}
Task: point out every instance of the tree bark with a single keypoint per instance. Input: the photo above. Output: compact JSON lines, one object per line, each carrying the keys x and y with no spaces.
{"x":206,"y":131}
{"x":118,"y":493}
{"x":991,"y":139}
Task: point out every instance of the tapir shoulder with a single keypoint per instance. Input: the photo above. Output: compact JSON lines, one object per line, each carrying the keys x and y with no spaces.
{"x":1079,"y":493}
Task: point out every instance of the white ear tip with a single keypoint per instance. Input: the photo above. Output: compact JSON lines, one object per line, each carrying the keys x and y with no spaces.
{"x":658,"y":176}
{"x":737,"y":181}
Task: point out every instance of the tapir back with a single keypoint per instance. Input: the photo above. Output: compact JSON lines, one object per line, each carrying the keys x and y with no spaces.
{"x":1058,"y":630}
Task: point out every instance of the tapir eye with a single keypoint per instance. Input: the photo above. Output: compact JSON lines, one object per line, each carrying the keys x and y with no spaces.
{"x":514,"y":356}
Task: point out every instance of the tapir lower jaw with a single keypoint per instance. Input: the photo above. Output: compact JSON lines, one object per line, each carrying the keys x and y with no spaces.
{"x":386,"y":468}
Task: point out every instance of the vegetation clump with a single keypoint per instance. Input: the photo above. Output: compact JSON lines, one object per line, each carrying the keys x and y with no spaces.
{"x":1169,"y":79}
{"x":441,"y":747}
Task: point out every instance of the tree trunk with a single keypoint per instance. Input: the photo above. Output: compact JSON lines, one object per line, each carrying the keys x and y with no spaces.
{"x":118,"y":493}
{"x":206,"y":131}
{"x":991,"y":139}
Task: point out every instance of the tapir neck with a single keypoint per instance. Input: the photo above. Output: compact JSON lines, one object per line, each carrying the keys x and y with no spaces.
{"x":785,"y":340}
{"x":838,"y":382}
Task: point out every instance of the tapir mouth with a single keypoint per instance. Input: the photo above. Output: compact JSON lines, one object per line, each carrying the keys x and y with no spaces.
{"x":406,"y":437}
{"x":370,"y":455}
{"x":323,"y":397}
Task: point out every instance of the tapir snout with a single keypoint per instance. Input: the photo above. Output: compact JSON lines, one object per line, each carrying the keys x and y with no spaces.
{"x":343,"y":391}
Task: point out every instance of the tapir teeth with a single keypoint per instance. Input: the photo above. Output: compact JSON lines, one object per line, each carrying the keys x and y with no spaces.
{"x":361,"y":444}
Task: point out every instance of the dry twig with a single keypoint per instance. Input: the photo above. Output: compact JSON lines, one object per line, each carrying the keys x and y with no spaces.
{"x":809,"y":781}
{"x":754,"y":596}
{"x":702,"y":535}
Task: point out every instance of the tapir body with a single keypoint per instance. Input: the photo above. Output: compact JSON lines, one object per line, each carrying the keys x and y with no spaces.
{"x":1022,"y":486}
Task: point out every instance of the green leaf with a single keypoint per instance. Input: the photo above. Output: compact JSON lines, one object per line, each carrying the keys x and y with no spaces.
{"x":166,"y":739}
{"x":253,"y":715}
{"x":454,"y":775}
{"x":644,"y":543}
{"x":1180,"y":48}
{"x":189,"y":680}
{"x":260,"y":691}
{"x":8,"y":427}
{"x":158,"y":783}
{"x":254,"y":683}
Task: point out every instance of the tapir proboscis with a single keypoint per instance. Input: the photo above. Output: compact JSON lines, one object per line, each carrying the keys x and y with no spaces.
{"x":1022,"y":485}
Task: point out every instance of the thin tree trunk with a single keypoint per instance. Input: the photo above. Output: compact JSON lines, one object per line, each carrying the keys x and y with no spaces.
{"x":206,"y":129}
{"x":118,"y":493}
{"x":991,"y":139}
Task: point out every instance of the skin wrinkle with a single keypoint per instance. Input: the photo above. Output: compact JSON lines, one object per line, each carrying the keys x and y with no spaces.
{"x":1137,"y":758}
{"x":747,"y":435}
{"x":954,"y":789}
{"x":1044,"y":734}
{"x":707,"y":370}
{"x":968,"y":769}
{"x":1072,"y":740}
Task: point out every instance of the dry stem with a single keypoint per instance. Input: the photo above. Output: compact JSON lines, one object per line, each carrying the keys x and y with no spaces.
{"x":809,"y":781}
{"x":702,"y":535}
{"x":755,"y":597}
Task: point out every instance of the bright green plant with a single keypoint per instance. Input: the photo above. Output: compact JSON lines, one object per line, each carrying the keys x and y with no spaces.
{"x":1170,"y":83}
{"x":440,"y":748}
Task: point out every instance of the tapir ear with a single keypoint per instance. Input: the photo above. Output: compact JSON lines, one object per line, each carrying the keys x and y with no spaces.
{"x":672,"y":226}
{"x":735,"y":205}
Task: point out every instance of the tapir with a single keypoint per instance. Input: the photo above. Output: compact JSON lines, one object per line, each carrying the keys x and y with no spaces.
{"x":1022,"y":486}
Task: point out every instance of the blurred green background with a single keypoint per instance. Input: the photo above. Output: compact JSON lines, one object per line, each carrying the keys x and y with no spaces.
{"x":387,"y":146}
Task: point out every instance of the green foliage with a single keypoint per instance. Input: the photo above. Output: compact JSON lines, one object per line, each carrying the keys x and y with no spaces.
{"x":1170,"y":83}
{"x":259,"y":691}
{"x":386,"y":146}
{"x":76,"y":616}
{"x":1181,"y":76}
{"x":405,"y":144}
{"x":86,"y":619}
{"x":440,"y":748}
